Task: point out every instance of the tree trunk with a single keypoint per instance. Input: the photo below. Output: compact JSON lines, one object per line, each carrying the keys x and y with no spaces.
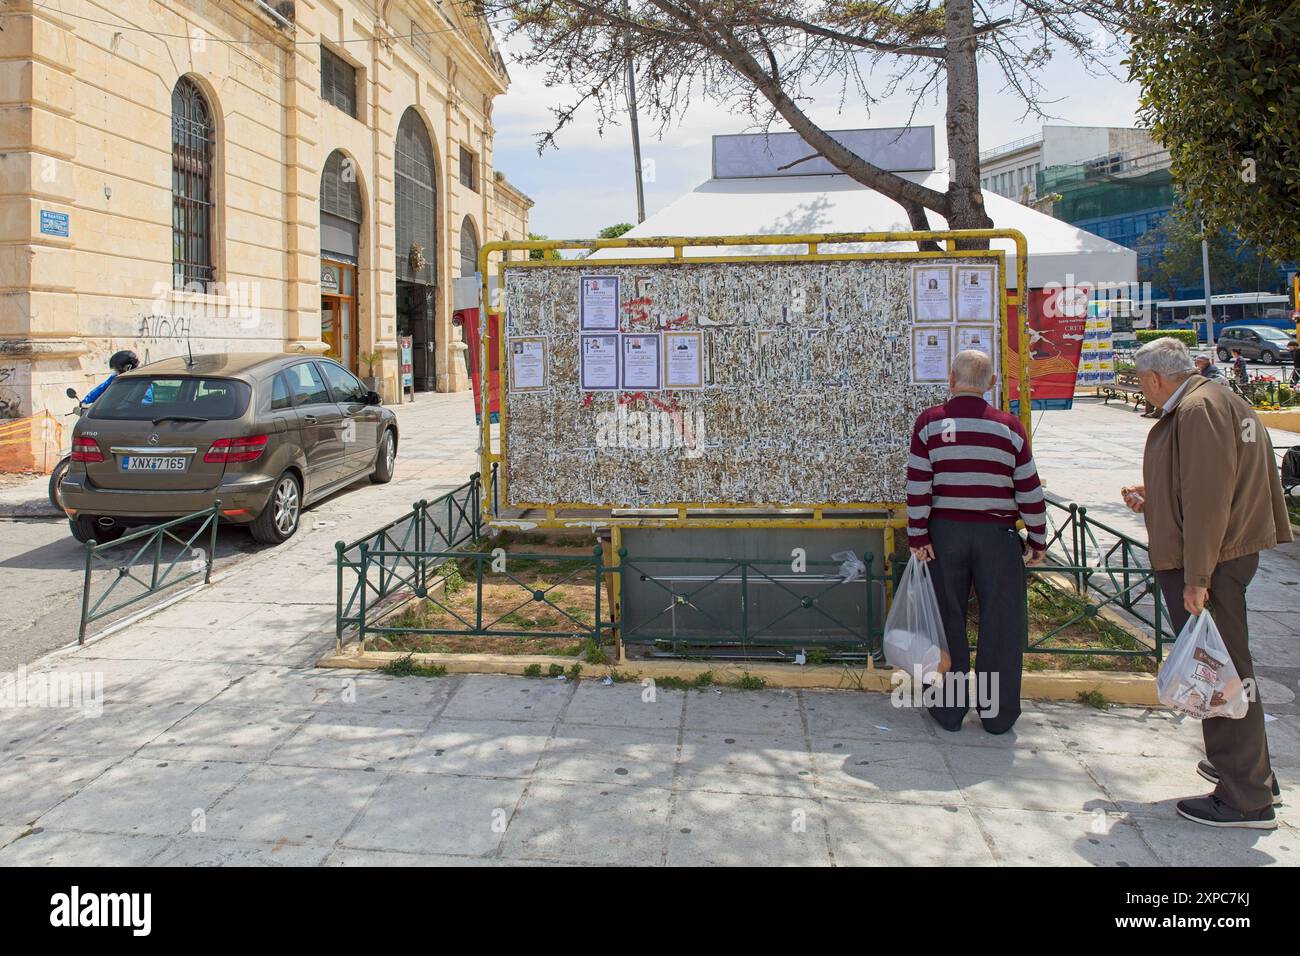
{"x":965,"y":200}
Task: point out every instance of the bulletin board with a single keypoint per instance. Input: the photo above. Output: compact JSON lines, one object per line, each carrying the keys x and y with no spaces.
{"x":730,"y":382}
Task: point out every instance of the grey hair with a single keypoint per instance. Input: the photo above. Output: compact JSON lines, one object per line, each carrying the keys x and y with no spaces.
{"x":971,"y":368}
{"x":1168,"y":357}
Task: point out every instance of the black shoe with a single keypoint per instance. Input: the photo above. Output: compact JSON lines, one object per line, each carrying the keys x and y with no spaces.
{"x":951,"y":729}
{"x":1213,"y":812}
{"x":1206,"y":770}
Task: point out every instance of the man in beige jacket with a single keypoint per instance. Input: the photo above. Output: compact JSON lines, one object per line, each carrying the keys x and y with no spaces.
{"x":1212,"y":500}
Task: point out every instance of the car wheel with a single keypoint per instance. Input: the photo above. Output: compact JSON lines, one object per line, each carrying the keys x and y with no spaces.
{"x":386,"y":459}
{"x":1267,"y":357}
{"x":1223,"y":355}
{"x":56,"y":476}
{"x":279,"y":519}
{"x":87,"y":528}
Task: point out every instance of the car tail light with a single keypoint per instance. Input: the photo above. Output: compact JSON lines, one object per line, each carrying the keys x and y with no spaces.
{"x":87,"y":450}
{"x":225,"y":450}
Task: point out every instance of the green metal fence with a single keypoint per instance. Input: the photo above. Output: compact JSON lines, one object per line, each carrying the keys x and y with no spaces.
{"x":164,"y":569}
{"x":405,"y":550}
{"x":435,"y":576}
{"x":1107,"y":564}
{"x":800,"y":619}
{"x":708,"y":603}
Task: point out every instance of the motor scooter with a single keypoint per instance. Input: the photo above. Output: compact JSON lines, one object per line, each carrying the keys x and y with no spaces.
{"x":61,"y":469}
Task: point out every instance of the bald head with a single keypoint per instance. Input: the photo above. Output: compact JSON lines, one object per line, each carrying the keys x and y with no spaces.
{"x":972,"y":371}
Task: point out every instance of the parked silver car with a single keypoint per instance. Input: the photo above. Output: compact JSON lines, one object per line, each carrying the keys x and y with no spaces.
{"x":266,"y":434}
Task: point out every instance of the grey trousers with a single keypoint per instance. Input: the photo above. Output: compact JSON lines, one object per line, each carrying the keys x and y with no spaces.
{"x":1237,"y":748}
{"x":989,"y":557}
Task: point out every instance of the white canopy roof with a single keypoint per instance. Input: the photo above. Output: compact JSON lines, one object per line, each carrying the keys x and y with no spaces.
{"x":789,"y":205}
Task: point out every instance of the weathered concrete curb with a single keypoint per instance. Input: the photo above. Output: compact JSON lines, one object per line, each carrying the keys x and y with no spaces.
{"x":1118,"y":688}
{"x":1287,"y":420}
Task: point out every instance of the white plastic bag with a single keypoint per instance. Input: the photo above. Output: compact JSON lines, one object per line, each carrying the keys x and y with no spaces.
{"x":1198,"y":678}
{"x":851,"y":566}
{"x":914,"y":639}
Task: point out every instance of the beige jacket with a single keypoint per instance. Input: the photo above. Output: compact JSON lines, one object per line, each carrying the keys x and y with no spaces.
{"x":1213,"y":492}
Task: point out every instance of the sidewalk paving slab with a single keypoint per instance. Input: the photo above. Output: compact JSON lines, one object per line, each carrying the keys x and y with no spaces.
{"x":213,"y":706}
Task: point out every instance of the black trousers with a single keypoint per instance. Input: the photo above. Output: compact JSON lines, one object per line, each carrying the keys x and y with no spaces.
{"x":989,"y":557}
{"x":1237,"y":748}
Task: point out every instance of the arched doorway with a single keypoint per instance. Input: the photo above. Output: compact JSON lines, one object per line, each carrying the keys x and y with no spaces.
{"x":417,"y":245}
{"x":341,"y":215}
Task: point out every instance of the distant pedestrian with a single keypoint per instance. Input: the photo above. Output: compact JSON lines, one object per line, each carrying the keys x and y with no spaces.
{"x":1239,"y":370}
{"x":1208,"y":515}
{"x":1207,"y":369}
{"x":1295,"y":360}
{"x":970,"y":476}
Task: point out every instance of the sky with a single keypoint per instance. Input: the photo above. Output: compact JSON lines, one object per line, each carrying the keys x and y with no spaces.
{"x":588,"y":182}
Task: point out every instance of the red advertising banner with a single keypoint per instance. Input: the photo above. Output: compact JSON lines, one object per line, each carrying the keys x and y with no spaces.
{"x":469,"y":322}
{"x":1057,"y":318}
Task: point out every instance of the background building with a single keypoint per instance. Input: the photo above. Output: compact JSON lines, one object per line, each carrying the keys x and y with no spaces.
{"x":1012,"y":169}
{"x":244,"y":175}
{"x":1115,"y":182}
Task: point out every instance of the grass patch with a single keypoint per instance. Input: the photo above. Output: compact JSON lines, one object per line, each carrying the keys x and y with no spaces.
{"x":408,"y":667}
{"x":558,"y":625}
{"x":748,"y":681}
{"x":533,"y":670}
{"x":1049,"y":606}
{"x":1093,"y":698}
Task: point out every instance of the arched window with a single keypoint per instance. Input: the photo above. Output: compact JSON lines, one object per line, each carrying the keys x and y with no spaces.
{"x":417,"y":202}
{"x":193,"y":211}
{"x":468,"y":249}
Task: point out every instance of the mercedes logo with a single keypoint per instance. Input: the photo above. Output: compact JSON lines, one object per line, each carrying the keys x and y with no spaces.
{"x":153,"y":439}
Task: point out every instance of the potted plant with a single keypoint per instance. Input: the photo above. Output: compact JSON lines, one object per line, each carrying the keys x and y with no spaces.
{"x":370,"y":359}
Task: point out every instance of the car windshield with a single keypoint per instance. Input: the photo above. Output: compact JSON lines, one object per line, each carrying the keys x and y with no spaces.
{"x":151,"y":398}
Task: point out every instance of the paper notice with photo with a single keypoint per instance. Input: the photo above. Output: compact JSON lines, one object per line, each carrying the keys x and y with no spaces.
{"x":932,"y":293}
{"x":978,"y":337}
{"x":930,"y":355}
{"x":976,"y":294}
{"x":527,"y":363}
{"x":598,"y":303}
{"x":640,"y":365}
{"x":683,"y":360}
{"x":598,"y":363}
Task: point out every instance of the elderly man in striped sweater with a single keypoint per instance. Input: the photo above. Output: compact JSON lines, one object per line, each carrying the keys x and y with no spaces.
{"x":970,"y":476}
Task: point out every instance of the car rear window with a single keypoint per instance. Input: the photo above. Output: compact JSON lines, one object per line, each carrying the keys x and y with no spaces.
{"x":147,"y":398}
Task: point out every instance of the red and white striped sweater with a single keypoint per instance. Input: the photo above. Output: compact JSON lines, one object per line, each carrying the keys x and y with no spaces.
{"x":971,"y":462}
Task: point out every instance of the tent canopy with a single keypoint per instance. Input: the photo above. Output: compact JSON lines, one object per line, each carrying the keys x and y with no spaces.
{"x":799,"y":205}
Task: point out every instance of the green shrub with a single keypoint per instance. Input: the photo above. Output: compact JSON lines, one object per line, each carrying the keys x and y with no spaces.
{"x":1186,"y":336}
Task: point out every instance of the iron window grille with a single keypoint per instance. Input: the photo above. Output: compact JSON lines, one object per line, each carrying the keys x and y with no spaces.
{"x":338,"y":81}
{"x":468,"y":250}
{"x":417,"y":199}
{"x":192,"y":205}
{"x":467,"y":176}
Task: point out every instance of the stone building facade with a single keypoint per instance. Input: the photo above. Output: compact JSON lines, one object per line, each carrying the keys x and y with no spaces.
{"x":238,"y":175}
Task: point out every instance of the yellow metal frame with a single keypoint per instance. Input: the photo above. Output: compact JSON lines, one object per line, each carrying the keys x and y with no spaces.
{"x":681,"y":517}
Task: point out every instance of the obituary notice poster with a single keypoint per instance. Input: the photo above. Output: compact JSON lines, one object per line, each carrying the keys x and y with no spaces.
{"x":527,"y":363}
{"x":683,"y":360}
{"x":640,"y":365}
{"x":977,"y":295}
{"x":932,"y":294}
{"x":598,"y":303}
{"x":931,"y":355}
{"x":599,"y":363}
